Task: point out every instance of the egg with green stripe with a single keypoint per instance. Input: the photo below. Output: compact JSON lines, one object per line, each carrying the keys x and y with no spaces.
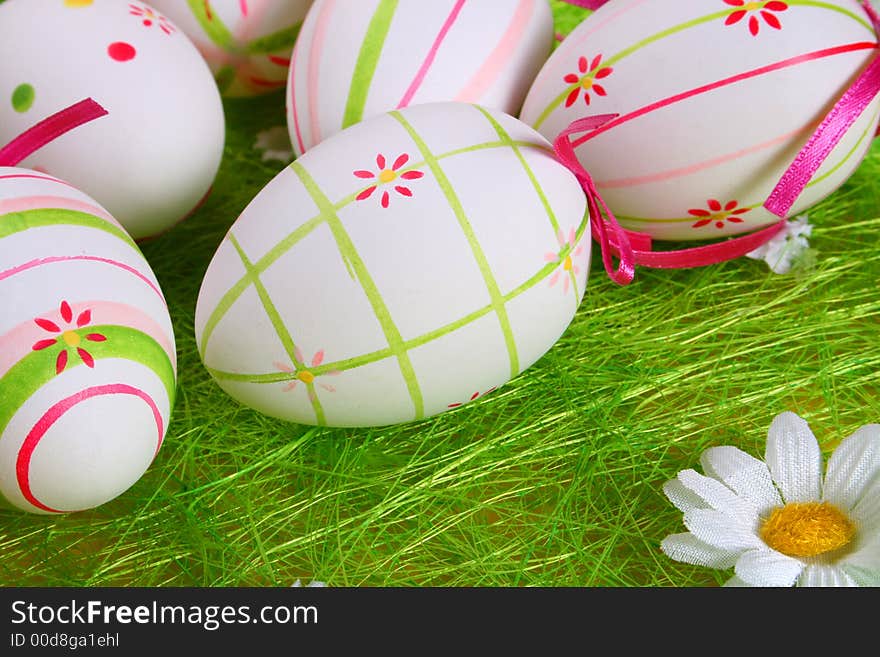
{"x":358,"y":58}
{"x":713,"y":100}
{"x":87,"y":350}
{"x":247,"y":43}
{"x":406,"y":266}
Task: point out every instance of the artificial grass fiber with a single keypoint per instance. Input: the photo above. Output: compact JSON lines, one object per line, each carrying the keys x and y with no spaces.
{"x":554,"y":480}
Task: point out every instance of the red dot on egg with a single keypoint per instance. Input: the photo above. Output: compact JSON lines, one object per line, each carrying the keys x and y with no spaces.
{"x":148,"y":22}
{"x":121,"y":51}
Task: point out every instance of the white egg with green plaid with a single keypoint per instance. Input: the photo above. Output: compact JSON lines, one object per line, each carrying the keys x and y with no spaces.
{"x":406,"y":266}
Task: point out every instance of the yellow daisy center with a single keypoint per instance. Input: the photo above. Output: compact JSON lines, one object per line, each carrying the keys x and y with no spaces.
{"x":807,"y":529}
{"x":587,"y":82}
{"x":71,"y":339}
{"x":305,"y":376}
{"x":387,"y":176}
{"x":567,"y":265}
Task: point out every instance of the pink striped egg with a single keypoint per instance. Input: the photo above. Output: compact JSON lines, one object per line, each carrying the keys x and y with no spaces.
{"x":154,"y":157}
{"x":247,"y":43}
{"x":714,"y":99}
{"x":87,"y":350}
{"x":401,"y":268}
{"x":358,"y":58}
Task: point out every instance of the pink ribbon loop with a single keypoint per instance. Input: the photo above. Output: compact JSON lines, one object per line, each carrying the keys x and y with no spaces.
{"x":48,"y":130}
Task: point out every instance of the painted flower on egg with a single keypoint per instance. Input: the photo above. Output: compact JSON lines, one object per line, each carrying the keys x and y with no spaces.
{"x":585,"y":80}
{"x":753,"y":10}
{"x":70,"y":338}
{"x":387,"y":176}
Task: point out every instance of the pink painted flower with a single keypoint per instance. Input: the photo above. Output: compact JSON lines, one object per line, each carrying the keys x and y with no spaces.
{"x":585,"y":80}
{"x":69,"y":338}
{"x":150,"y":17}
{"x":567,"y":262}
{"x":387,"y":176}
{"x":472,"y":397}
{"x":305,"y":375}
{"x":753,"y":10}
{"x":718,"y":214}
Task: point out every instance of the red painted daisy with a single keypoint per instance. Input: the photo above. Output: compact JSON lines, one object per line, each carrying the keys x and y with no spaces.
{"x":305,"y":375}
{"x":70,"y":338}
{"x":472,"y":397}
{"x":585,"y":81}
{"x":718,"y":214}
{"x":753,"y":10}
{"x":387,"y":176}
{"x":150,"y":17}
{"x":567,"y":262}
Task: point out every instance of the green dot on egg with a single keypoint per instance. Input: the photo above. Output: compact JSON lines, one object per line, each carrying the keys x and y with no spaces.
{"x":23,"y":97}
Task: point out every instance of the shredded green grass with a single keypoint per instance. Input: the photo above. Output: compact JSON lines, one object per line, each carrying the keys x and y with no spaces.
{"x":553,"y":480}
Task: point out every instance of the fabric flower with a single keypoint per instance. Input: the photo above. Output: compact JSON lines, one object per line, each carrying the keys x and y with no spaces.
{"x":274,"y":144}
{"x":313,"y":584}
{"x":585,"y":80}
{"x":386,"y":176}
{"x":780,"y":522}
{"x":69,"y":338}
{"x":786,"y":247}
{"x":753,"y":10}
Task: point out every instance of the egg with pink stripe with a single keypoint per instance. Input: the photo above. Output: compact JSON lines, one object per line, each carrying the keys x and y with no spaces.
{"x":709,"y":102}
{"x":358,"y":58}
{"x":87,"y":350}
{"x":153,"y":159}
{"x":247,"y":43}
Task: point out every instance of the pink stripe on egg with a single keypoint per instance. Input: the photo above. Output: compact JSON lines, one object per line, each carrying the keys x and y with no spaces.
{"x":314,"y":66}
{"x":23,"y":204}
{"x":291,"y":98}
{"x":491,"y":68}
{"x":25,"y":454}
{"x":432,"y":54}
{"x":18,"y":342}
{"x":671,"y":174}
{"x":32,"y":176}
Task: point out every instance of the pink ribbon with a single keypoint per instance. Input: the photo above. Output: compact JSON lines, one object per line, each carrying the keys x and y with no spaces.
{"x":48,"y":130}
{"x":632,"y":248}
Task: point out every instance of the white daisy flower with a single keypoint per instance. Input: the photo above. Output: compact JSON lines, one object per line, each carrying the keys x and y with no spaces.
{"x":779,"y":522}
{"x":786,"y":247}
{"x":312,"y":584}
{"x":275,"y":144}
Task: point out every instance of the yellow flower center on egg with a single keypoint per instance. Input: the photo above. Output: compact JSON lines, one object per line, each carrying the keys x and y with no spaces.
{"x":807,"y":529}
{"x":752,"y":6}
{"x":387,"y":176}
{"x":568,"y":264}
{"x":71,"y":339}
{"x":78,"y":3}
{"x":587,"y":82}
{"x":305,"y":376}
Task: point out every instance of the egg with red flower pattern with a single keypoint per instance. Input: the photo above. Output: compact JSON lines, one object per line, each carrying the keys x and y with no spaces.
{"x":87,"y":350}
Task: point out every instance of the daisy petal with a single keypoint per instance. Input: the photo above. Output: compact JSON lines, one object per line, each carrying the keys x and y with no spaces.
{"x":86,"y":357}
{"x":735,"y":17}
{"x":366,"y":193}
{"x":852,"y":467}
{"x":412,"y":175}
{"x":771,"y":20}
{"x":318,"y":358}
{"x":735,"y":582}
{"x":865,"y":578}
{"x":720,"y":497}
{"x":866,"y":557}
{"x":47,"y":325}
{"x":61,"y":362}
{"x":866,"y":512}
{"x":84,"y":318}
{"x":794,"y":458}
{"x":66,"y":312}
{"x":380,"y":161}
{"x":742,"y":473}
{"x":403,"y":191}
{"x":824,"y":575}
{"x":688,"y":549}
{"x":571,"y":78}
{"x":766,"y":567}
{"x":573,"y":96}
{"x":399,"y":162}
{"x":718,"y":530}
{"x":43,"y":344}
{"x":361,"y":173}
{"x":683,"y":498}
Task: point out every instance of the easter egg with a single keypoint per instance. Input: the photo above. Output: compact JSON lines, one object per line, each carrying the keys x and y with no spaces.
{"x":713,"y":100}
{"x":154,"y":157}
{"x":247,"y":43}
{"x":401,"y":268}
{"x":87,"y":350}
{"x":358,"y":58}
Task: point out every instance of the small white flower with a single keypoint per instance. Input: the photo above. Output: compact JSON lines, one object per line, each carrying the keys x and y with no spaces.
{"x":779,"y":522}
{"x":275,"y":144}
{"x":313,"y":583}
{"x":786,"y":246}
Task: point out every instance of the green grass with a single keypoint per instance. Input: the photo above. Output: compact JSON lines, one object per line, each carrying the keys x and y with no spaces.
{"x":553,"y":480}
